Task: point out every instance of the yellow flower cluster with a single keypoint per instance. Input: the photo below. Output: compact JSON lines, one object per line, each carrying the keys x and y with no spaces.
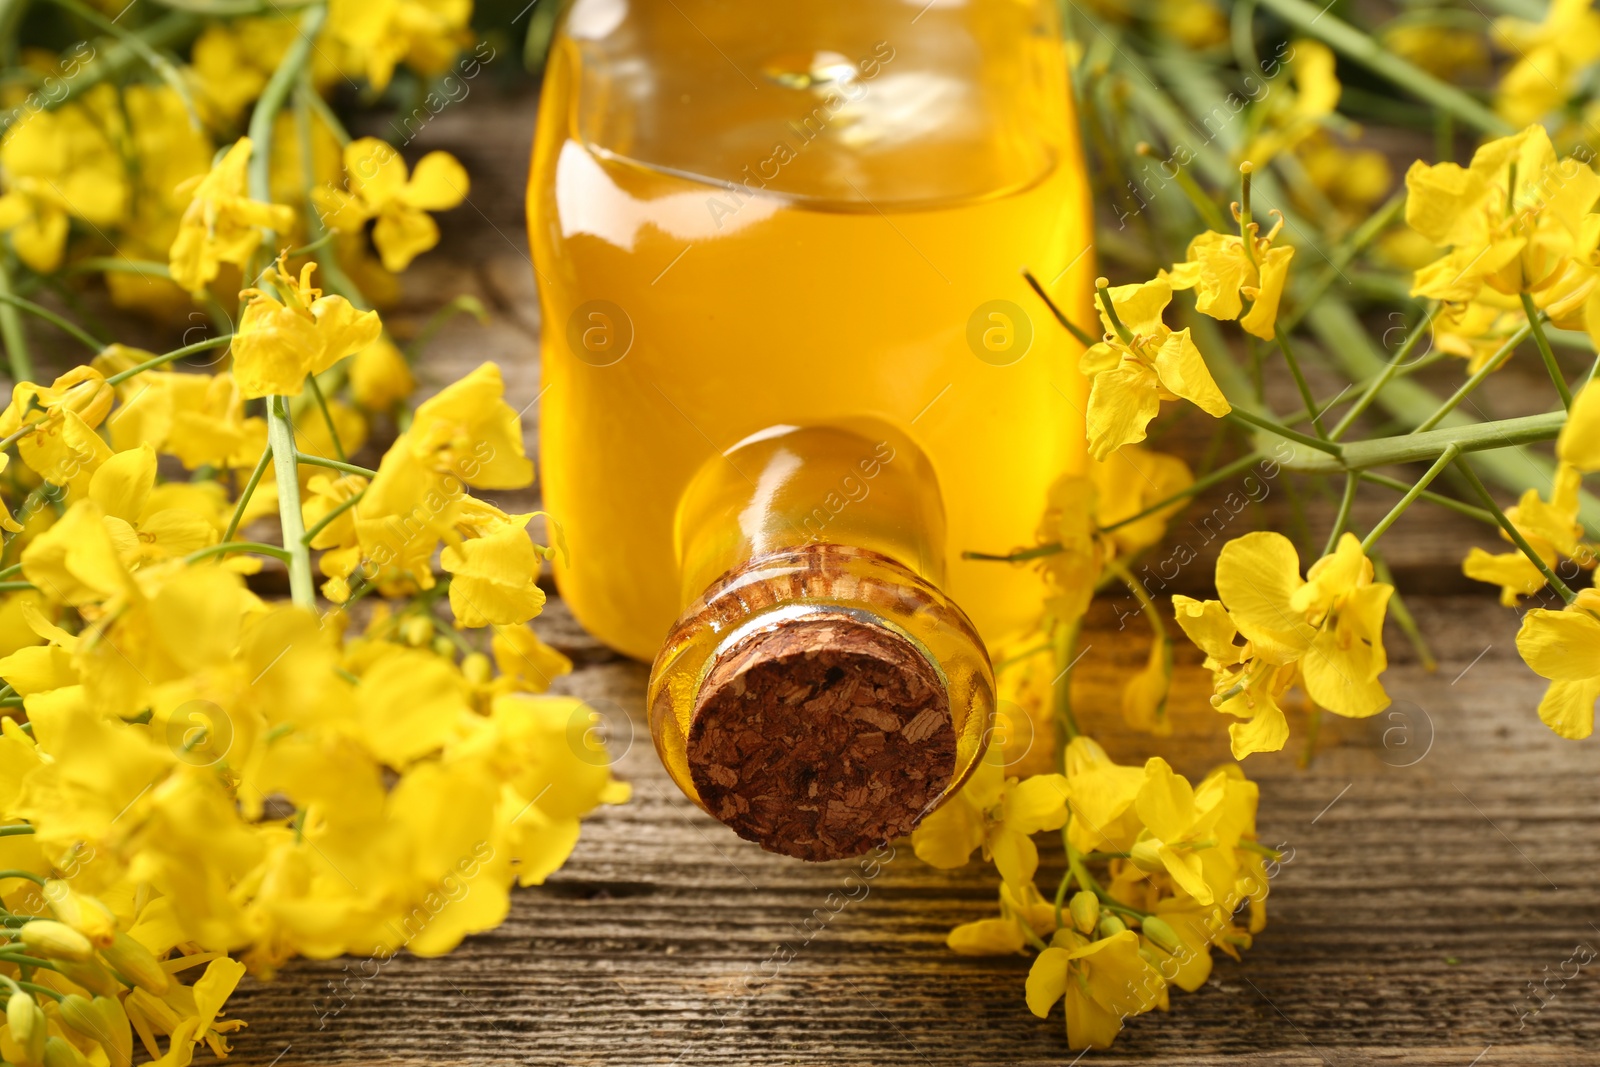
{"x":1178,"y":860}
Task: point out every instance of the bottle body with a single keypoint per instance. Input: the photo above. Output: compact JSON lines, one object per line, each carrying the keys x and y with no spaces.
{"x":733,"y":235}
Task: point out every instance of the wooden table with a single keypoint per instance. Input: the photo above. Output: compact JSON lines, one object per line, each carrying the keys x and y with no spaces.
{"x":1443,"y":863}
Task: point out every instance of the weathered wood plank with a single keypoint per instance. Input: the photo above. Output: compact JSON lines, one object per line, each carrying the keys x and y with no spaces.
{"x":1445,"y":853}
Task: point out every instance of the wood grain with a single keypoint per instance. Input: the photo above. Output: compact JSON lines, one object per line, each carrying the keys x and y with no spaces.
{"x":1444,"y":853}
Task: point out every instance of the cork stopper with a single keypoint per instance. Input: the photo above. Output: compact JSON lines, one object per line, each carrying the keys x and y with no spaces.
{"x":822,"y":737}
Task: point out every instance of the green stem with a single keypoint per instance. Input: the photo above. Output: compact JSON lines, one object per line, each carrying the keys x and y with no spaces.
{"x":327,"y":416}
{"x":12,"y":334}
{"x":1433,"y":498}
{"x":1066,"y":640}
{"x":280,"y":438}
{"x":1199,"y":485}
{"x":1082,"y":336}
{"x":1402,"y":615}
{"x":29,"y":875}
{"x":344,"y":506}
{"x":1447,"y":457}
{"x":1349,"y":41}
{"x":148,"y":268}
{"x":1049,"y":548}
{"x":1512,"y":532}
{"x":66,"y":326}
{"x":162,"y":360}
{"x":1420,"y":447}
{"x":247,"y":492}
{"x":227,"y":547}
{"x":141,"y":47}
{"x":1549,"y":357}
{"x":1476,"y":379}
{"x":16,"y":830}
{"x":1367,"y":396}
{"x":280,"y":424}
{"x":333,"y":464}
{"x":1342,"y":518}
{"x":464,"y":304}
{"x":1301,"y":384}
{"x":1249,"y":418}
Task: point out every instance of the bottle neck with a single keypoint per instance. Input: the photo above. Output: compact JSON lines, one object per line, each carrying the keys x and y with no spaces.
{"x":866,"y":486}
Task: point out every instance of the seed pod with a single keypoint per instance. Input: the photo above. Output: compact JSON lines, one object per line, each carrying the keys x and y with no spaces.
{"x":1085,"y":908}
{"x":136,"y":963}
{"x":119,"y":1049}
{"x":59,"y":1052}
{"x":83,"y":913}
{"x":56,"y":940}
{"x":1111,"y":926}
{"x":1161,"y":934}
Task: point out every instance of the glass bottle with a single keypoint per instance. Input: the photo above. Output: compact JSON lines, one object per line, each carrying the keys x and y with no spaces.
{"x":792,"y":371}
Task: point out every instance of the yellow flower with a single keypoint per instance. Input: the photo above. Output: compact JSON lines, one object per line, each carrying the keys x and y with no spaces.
{"x":1564,"y":646}
{"x":222,"y":224}
{"x":1288,"y":118}
{"x":60,"y":164}
{"x":1551,"y":57}
{"x":379,"y":189}
{"x":380,"y":377}
{"x":1225,"y":272}
{"x":1243,"y":685}
{"x":231,"y":61}
{"x":1552,"y":529}
{"x":1474,"y":331}
{"x":1192,"y":834}
{"x":1005,"y":935}
{"x":494,"y":576}
{"x":1509,"y":239}
{"x":1101,"y":794}
{"x":279,"y":342}
{"x":526,"y":663}
{"x":54,"y":426}
{"x":1443,"y":51}
{"x":1140,"y":363}
{"x":1103,"y":982}
{"x":378,"y":34}
{"x":1352,"y":179}
{"x":1579,"y":443}
{"x":140,"y":527}
{"x":466,"y":435}
{"x":999,"y":814}
{"x":1127,"y":483}
{"x":1330,"y":625}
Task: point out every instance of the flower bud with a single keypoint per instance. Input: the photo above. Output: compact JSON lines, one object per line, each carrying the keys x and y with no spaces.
{"x":56,"y":940}
{"x":91,"y":976}
{"x":137,"y":964}
{"x":84,"y":390}
{"x":1085,"y":908}
{"x":26,"y":1024}
{"x":83,"y":913}
{"x":1111,"y":926}
{"x":80,"y":1013}
{"x":417,"y":630}
{"x":1161,"y":934}
{"x":443,"y":646}
{"x":58,"y":1052}
{"x":119,"y":1047}
{"x":477,"y":669}
{"x":1146,"y":855}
